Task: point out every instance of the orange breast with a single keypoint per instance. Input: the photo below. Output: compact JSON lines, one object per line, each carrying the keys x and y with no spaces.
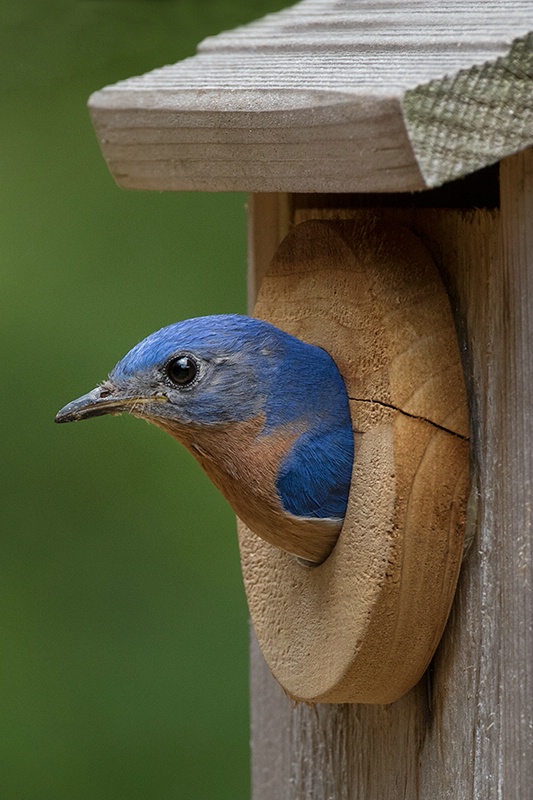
{"x":244,"y":465}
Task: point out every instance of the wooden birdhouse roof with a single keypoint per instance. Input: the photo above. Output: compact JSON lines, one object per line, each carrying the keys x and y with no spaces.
{"x":331,"y":96}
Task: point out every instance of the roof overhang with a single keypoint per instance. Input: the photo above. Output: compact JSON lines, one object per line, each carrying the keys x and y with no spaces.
{"x":330,"y":96}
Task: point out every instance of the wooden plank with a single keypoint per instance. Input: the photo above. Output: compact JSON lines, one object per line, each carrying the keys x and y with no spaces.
{"x":515,"y":441}
{"x":465,"y":730}
{"x":271,"y":729}
{"x":268,"y":224}
{"x":330,"y":96}
{"x":460,"y":750}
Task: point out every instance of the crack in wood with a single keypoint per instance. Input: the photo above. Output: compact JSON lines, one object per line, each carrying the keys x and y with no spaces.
{"x":412,"y":416}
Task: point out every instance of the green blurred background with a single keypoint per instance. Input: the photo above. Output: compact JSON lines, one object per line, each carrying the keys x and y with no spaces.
{"x":123,"y":653}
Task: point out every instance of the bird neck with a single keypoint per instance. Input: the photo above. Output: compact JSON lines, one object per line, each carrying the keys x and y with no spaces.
{"x":243,"y":462}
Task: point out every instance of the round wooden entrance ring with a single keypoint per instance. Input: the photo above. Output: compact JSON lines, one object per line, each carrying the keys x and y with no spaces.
{"x":363,"y":626}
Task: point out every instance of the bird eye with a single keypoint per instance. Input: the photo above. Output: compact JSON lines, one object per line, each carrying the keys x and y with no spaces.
{"x":182,"y":370}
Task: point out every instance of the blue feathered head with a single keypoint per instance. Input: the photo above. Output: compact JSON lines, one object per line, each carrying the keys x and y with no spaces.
{"x":217,"y":370}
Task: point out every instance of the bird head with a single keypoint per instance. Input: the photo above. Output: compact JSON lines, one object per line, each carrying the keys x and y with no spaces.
{"x":214,"y":371}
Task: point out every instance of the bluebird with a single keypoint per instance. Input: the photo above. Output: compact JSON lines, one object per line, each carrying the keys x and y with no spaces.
{"x":266,"y":415}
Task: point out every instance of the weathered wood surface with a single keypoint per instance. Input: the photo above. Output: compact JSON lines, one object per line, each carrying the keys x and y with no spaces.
{"x":330,"y":96}
{"x":465,"y":730}
{"x":364,"y":625}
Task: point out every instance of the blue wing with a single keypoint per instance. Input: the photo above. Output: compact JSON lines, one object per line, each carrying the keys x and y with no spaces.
{"x":314,"y":479}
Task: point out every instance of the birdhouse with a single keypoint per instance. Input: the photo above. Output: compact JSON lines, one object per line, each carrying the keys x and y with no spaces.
{"x":385,"y":150}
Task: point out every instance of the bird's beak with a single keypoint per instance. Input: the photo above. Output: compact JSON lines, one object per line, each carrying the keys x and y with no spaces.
{"x":101,"y":401}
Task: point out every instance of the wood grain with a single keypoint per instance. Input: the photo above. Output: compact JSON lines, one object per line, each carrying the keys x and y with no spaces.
{"x":465,"y":730}
{"x":330,"y":96}
{"x":516,"y":444}
{"x":363,"y":625}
